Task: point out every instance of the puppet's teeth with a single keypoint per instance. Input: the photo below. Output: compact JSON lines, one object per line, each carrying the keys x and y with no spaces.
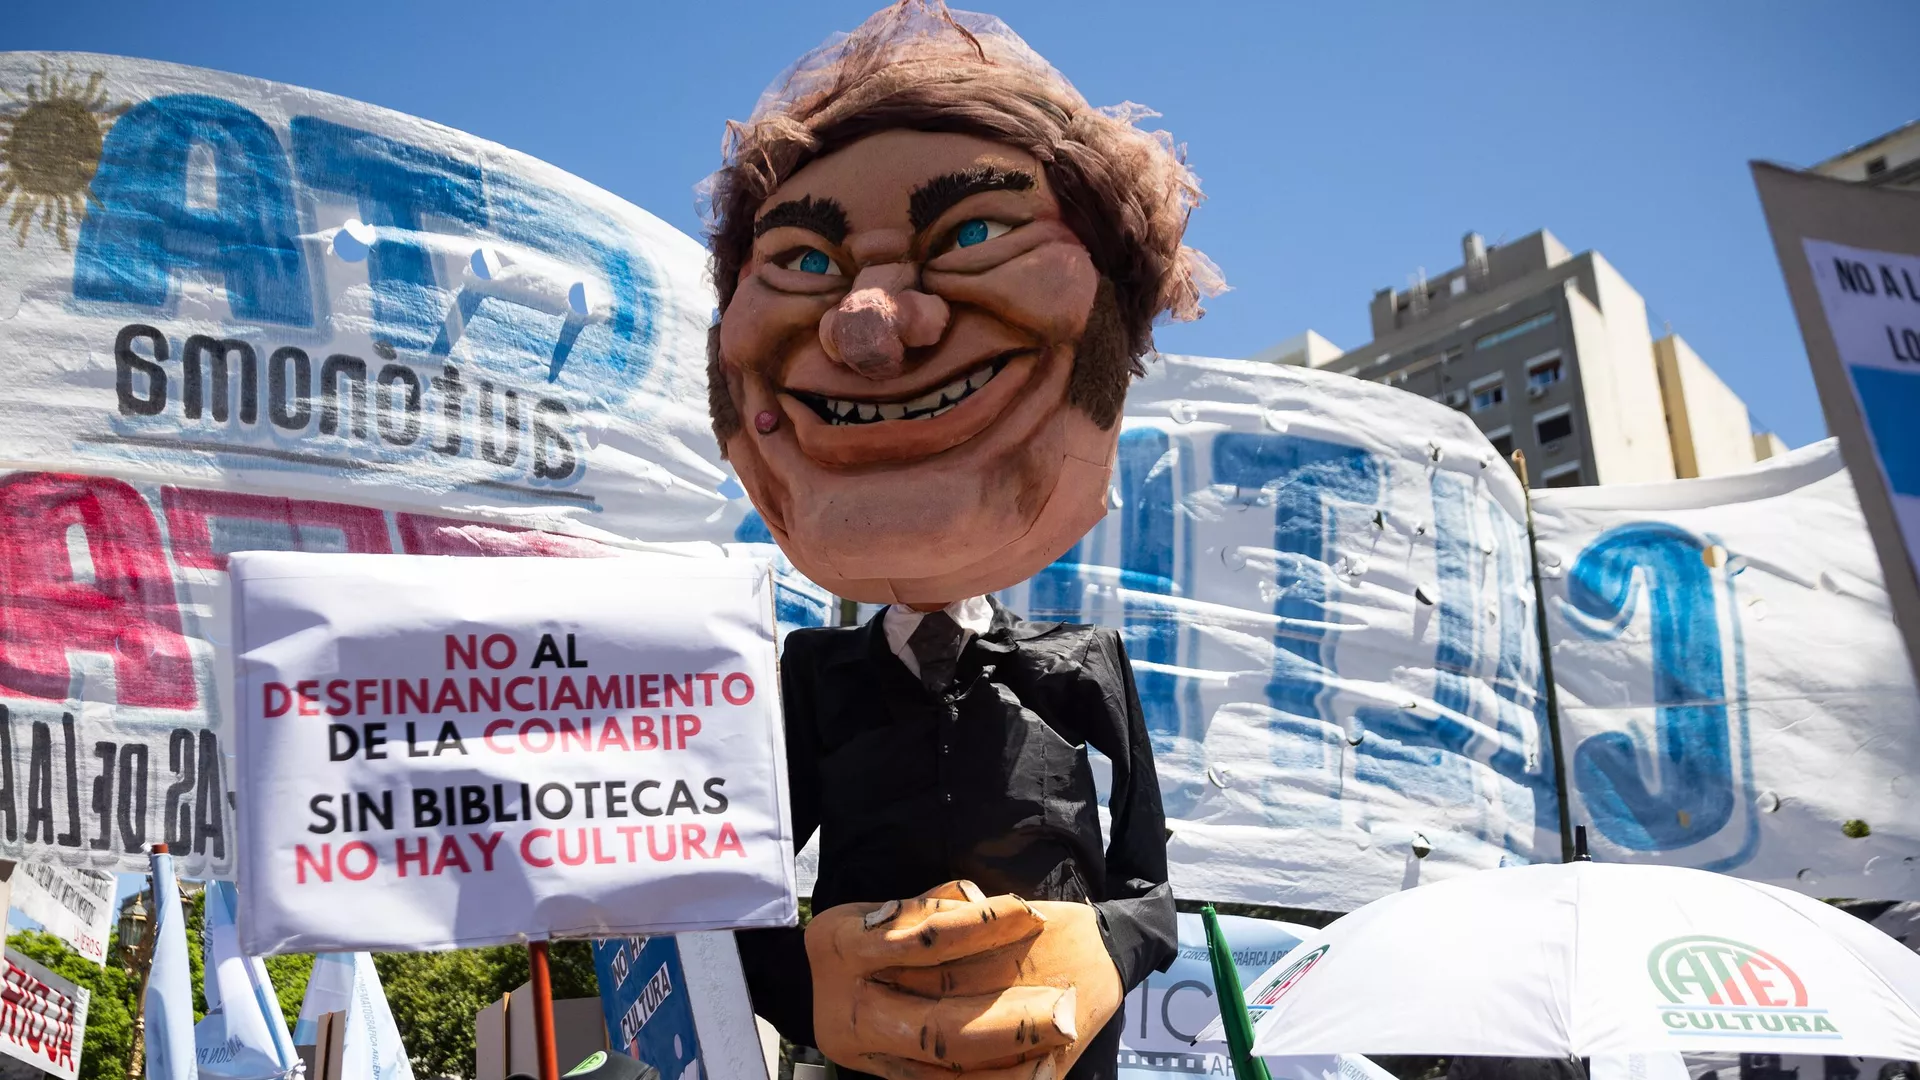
{"x":934,"y":403}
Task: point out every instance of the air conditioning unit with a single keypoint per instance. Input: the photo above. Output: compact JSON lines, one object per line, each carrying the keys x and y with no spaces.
{"x":1457,"y":398}
{"x":1537,"y":390}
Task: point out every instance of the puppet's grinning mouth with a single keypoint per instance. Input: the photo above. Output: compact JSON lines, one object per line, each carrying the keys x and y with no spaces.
{"x":839,"y":412}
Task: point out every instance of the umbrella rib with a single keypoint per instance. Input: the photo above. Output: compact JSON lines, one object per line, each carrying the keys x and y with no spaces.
{"x":1871,"y":968}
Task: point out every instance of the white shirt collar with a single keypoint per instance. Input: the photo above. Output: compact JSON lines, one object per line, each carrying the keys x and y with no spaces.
{"x":974,"y":615}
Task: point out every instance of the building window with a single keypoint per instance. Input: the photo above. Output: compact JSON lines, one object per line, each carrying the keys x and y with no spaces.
{"x":1554,"y":426}
{"x":1508,"y":333}
{"x":1567,"y":475}
{"x":1502,"y":440}
{"x":1542,"y":374}
{"x":1876,"y":166}
{"x":1488,"y":392}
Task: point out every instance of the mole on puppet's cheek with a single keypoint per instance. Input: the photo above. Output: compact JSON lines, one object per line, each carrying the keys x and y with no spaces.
{"x":946,"y":457}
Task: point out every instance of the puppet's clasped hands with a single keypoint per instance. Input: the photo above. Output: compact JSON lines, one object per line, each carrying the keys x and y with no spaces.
{"x":954,"y":981}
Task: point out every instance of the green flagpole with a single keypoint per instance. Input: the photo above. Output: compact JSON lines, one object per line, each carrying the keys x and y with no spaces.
{"x":1233,"y":1002}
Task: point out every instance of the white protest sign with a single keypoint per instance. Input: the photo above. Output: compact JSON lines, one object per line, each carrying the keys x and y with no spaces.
{"x":1873,"y":311}
{"x":72,"y":904}
{"x":1850,"y":254}
{"x":43,"y":1018}
{"x":445,"y":752}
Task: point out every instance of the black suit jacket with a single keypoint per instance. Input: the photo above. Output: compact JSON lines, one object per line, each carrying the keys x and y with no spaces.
{"x":987,"y":782}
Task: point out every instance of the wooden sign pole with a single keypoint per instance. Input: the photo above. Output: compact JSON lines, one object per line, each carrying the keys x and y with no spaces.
{"x":543,"y":1041}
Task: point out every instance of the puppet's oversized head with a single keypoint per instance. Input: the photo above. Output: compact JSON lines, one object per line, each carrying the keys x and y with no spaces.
{"x":938,"y":269}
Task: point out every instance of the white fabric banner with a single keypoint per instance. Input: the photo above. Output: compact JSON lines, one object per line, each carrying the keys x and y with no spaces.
{"x":204,"y":358}
{"x":43,"y":1018}
{"x":1323,"y":587}
{"x":1733,"y":693}
{"x":72,"y":904}
{"x":443,"y":752}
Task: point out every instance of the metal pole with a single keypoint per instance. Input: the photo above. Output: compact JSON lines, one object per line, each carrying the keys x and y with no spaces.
{"x":137,"y":1060}
{"x":543,"y":1010}
{"x":1546,"y":666}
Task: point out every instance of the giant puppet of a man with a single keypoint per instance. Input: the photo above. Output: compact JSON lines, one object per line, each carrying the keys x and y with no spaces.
{"x":938,"y":269}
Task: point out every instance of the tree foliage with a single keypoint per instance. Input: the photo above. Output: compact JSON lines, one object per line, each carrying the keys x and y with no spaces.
{"x":434,"y":996}
{"x":109,"y":1034}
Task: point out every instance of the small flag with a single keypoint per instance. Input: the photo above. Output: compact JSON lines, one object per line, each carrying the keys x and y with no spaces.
{"x":328,"y":989}
{"x":244,"y":1035}
{"x":169,"y":1001}
{"x":348,"y":983}
{"x":371,"y":1049}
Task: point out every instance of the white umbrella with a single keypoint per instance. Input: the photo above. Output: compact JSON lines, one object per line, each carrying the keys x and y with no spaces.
{"x":1592,"y":960}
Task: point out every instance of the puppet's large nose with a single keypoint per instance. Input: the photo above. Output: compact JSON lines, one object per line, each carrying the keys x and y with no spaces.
{"x":883,"y":316}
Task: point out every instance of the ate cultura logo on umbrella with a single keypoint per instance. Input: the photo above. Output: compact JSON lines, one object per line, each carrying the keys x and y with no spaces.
{"x":1718,"y":986}
{"x":1270,"y":989}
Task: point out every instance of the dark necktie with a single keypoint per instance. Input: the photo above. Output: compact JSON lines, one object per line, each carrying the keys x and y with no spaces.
{"x":936,"y":646}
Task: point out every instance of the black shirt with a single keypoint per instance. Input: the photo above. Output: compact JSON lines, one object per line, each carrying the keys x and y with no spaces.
{"x":987,"y":782}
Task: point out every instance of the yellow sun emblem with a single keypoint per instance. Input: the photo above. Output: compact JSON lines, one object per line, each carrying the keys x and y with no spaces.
{"x":49,"y":148}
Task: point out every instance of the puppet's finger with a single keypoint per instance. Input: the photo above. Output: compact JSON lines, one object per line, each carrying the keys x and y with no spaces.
{"x":938,"y":898}
{"x":918,"y":932}
{"x":898,"y":1068}
{"x":954,"y":890}
{"x":962,"y":1032}
{"x":971,"y":976}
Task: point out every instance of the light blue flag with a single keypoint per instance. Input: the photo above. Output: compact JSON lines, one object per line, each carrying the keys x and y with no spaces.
{"x":169,"y":1003}
{"x":244,"y":1035}
{"x":370,"y":1048}
{"x":328,"y":989}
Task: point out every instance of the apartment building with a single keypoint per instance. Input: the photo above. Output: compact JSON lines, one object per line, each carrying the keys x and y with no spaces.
{"x":1549,"y":353}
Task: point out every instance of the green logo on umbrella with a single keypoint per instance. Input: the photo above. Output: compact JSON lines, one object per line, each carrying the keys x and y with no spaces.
{"x":1718,"y":986}
{"x":1264,"y":996}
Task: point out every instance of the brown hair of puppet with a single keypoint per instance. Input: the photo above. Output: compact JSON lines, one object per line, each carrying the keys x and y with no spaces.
{"x":851,"y":372}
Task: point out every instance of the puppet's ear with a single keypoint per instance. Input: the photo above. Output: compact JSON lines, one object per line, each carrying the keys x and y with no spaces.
{"x":1104,"y":363}
{"x":721,"y":406}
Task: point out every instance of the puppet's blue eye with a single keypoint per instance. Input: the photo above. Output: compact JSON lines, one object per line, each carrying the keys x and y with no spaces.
{"x":978,"y":231}
{"x":812,"y":261}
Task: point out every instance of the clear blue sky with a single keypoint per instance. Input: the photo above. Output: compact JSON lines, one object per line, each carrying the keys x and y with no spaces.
{"x":1342,"y":146}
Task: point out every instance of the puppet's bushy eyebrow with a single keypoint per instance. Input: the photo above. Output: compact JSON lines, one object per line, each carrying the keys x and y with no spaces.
{"x":937,"y":195}
{"x":823,"y":216}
